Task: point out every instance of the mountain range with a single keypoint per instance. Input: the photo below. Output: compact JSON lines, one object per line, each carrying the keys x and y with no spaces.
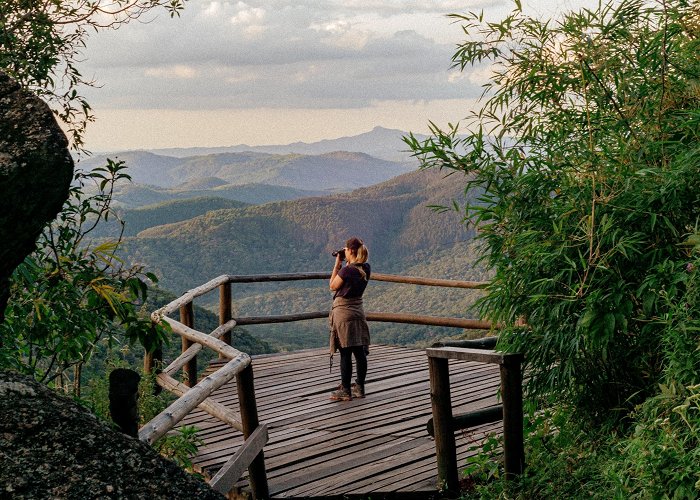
{"x":380,"y":142}
{"x":192,"y":214}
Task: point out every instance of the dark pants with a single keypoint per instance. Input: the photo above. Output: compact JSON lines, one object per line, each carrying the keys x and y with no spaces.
{"x":346,"y":354}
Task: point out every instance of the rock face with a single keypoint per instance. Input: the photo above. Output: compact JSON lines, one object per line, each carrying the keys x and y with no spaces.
{"x":52,"y":448}
{"x":35,"y":173}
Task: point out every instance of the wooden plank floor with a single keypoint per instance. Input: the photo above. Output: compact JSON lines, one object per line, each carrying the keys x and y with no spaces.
{"x":377,"y":446}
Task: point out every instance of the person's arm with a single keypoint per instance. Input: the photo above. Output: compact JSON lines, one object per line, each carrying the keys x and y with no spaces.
{"x":336,"y":281}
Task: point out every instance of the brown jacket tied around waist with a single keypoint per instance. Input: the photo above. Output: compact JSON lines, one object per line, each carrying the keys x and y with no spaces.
{"x":348,"y":325}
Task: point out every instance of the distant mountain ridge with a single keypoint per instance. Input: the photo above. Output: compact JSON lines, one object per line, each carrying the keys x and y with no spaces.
{"x":334,"y":171}
{"x":380,"y":142}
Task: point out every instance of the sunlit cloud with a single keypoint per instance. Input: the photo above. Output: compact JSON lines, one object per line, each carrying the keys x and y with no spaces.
{"x":247,"y":14}
{"x":212,"y":9}
{"x":245,"y":55}
{"x":177,"y":71}
{"x":342,"y":33}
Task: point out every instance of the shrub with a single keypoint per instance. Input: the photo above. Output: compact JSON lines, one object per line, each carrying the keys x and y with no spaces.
{"x":586,"y":155}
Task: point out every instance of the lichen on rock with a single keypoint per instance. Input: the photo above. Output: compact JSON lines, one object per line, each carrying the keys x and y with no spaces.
{"x":51,"y":447}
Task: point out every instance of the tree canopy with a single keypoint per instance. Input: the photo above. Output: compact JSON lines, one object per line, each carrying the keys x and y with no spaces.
{"x":41,"y":43}
{"x":586,"y":152}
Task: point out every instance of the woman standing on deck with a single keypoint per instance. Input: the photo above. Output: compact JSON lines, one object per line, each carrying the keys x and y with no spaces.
{"x":348,"y":325}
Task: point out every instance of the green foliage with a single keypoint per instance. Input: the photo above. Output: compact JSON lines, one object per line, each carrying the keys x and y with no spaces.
{"x":585,"y":156}
{"x":484,"y":466}
{"x":660,"y":459}
{"x":69,"y":295}
{"x":41,"y":43}
{"x":562,"y":462}
{"x":180,"y":447}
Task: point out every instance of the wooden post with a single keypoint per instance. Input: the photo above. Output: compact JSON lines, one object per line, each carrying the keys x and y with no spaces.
{"x":189,"y":371}
{"x":152,"y":365}
{"x":123,"y":400}
{"x":445,"y":446}
{"x":249,"y":419}
{"x":225,"y":310}
{"x":512,"y":396}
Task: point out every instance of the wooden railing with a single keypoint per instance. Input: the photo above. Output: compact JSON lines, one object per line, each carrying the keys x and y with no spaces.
{"x":194,"y":394}
{"x":443,"y":424}
{"x":197,"y":394}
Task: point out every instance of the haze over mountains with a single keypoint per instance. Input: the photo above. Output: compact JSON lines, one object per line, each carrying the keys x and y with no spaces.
{"x":380,"y":143}
{"x":281,"y":173}
{"x":337,"y":171}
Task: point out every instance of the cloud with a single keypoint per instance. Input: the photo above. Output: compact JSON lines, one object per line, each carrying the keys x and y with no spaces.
{"x":301,"y":64}
{"x":279,"y":53}
{"x":342,"y":33}
{"x":249,"y":19}
{"x":293,"y":31}
{"x":176,"y":71}
{"x":248,"y":15}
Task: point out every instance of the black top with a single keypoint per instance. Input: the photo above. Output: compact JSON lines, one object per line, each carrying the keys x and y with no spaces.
{"x":354,"y":283}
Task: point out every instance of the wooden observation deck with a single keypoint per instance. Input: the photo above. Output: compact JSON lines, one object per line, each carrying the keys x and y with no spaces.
{"x":375,"y":447}
{"x":297,"y":443}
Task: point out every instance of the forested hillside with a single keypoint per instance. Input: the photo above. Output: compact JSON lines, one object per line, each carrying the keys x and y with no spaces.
{"x":137,"y":219}
{"x":137,"y":195}
{"x":394,"y":218}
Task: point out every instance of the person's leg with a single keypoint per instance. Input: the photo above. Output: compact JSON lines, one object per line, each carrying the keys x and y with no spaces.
{"x":361,"y":363}
{"x":343,"y":393}
{"x":346,"y":366}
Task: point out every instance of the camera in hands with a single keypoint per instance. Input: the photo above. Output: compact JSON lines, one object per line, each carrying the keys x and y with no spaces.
{"x":339,"y":253}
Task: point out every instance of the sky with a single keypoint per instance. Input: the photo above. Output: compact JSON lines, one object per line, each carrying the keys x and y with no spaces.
{"x":278,"y":71}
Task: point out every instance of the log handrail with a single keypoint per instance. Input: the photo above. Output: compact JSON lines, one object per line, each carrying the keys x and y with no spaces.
{"x":197,"y":395}
{"x":164,"y":422}
{"x":413,"y":319}
{"x":207,"y":287}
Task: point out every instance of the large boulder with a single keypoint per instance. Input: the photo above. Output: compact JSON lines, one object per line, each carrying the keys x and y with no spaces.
{"x":50,"y":447}
{"x":36,"y":169}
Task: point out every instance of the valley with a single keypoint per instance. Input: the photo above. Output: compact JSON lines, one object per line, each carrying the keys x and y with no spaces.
{"x":192,"y":235}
